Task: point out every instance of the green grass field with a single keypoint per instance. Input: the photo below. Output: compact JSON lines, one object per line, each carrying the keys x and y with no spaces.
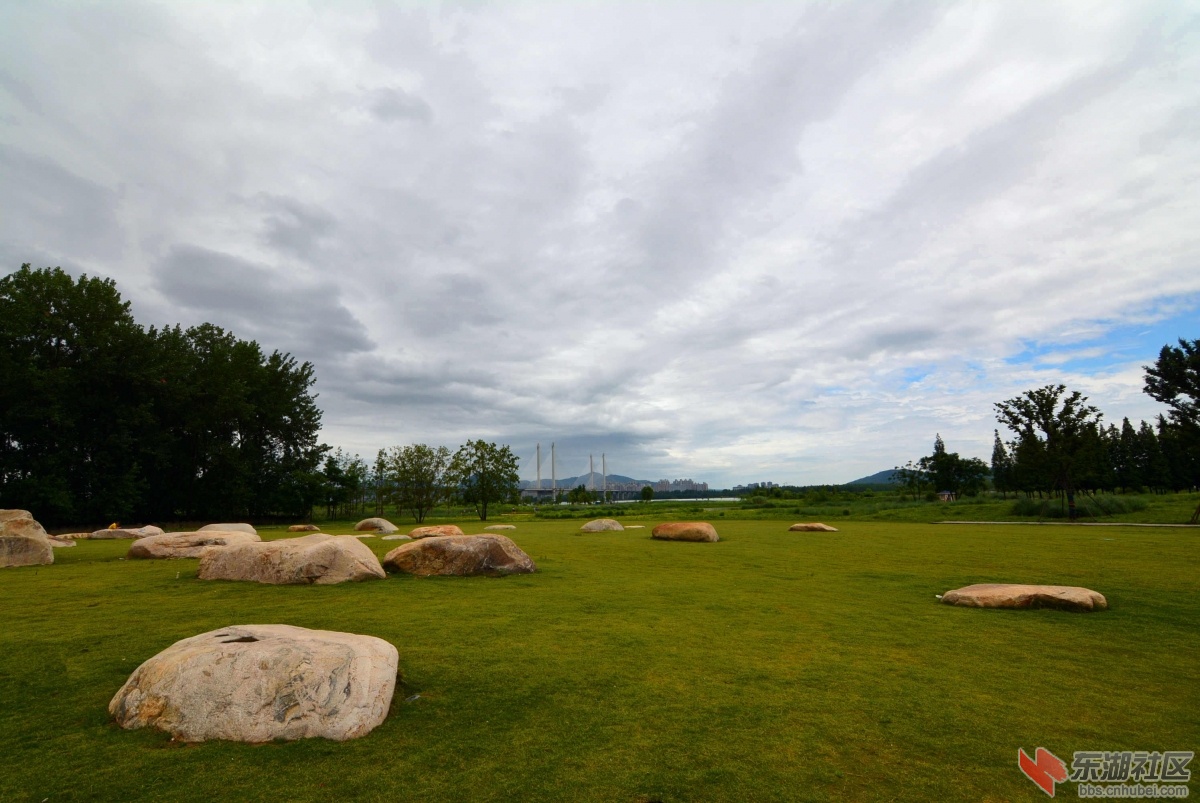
{"x":768,"y":666}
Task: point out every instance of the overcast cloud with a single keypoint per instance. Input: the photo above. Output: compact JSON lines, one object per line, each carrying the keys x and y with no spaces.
{"x":731,"y":242}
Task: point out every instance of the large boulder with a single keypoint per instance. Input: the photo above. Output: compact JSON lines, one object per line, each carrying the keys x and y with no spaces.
{"x":376,"y":525}
{"x":23,"y":541}
{"x":460,"y":555}
{"x":304,"y":528}
{"x":812,"y":527}
{"x":436,"y":531}
{"x":126,"y":532}
{"x":685,"y":531}
{"x":58,"y":542}
{"x":258,"y":683}
{"x":228,"y":527}
{"x":601,"y":525}
{"x":185,"y":545}
{"x":1011,"y":595}
{"x":317,"y":558}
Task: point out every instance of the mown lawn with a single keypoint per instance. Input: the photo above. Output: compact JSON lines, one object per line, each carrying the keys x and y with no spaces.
{"x":769,"y":666}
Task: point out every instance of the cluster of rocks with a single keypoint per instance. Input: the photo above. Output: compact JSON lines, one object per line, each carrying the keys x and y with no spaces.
{"x":259,"y":683}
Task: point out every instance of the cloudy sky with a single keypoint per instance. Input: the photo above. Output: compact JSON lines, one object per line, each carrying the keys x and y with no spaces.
{"x":727,"y":241}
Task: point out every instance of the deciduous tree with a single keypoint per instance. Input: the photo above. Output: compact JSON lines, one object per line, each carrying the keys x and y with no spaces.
{"x":419,"y":474}
{"x":484,"y":474}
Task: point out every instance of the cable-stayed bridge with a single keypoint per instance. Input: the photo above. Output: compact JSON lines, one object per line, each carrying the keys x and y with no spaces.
{"x":596,"y":483}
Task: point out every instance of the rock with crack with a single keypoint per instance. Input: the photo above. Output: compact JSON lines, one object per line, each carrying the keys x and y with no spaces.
{"x":436,"y":531}
{"x":601,"y":525}
{"x":1012,"y":595}
{"x":463,"y":555}
{"x":812,"y":527}
{"x":376,"y":525}
{"x":185,"y":545}
{"x":258,"y":683}
{"x":23,"y":541}
{"x":317,"y":558}
{"x":685,"y":531}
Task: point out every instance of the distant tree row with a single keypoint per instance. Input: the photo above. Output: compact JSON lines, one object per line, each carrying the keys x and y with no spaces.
{"x":1060,"y":445}
{"x":415,"y":479}
{"x":102,"y":419}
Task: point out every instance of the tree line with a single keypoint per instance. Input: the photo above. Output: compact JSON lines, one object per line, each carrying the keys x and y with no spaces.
{"x":1060,"y":445}
{"x":415,"y":479}
{"x":102,"y":419}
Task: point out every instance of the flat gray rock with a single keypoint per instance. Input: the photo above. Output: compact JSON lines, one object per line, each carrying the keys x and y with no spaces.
{"x":116,"y":533}
{"x":185,"y":545}
{"x":1008,"y":595}
{"x":229,"y":527}
{"x":435,"y":531}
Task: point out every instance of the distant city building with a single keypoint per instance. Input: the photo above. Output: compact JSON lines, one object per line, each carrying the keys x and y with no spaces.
{"x":754,"y":486}
{"x":666,"y":486}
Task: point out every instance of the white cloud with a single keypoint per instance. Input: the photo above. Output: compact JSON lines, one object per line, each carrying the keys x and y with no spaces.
{"x":779,"y":241}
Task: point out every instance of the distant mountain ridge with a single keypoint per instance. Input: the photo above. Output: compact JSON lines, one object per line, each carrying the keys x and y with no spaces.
{"x":886,"y":477}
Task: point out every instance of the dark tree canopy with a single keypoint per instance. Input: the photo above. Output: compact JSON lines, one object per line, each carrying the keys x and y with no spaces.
{"x":1174,"y":380}
{"x":102,"y":420}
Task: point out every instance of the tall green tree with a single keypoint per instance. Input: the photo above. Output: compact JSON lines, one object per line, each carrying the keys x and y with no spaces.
{"x":1001,"y":467}
{"x":420,"y":476}
{"x":484,"y":474}
{"x":1057,"y":424}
